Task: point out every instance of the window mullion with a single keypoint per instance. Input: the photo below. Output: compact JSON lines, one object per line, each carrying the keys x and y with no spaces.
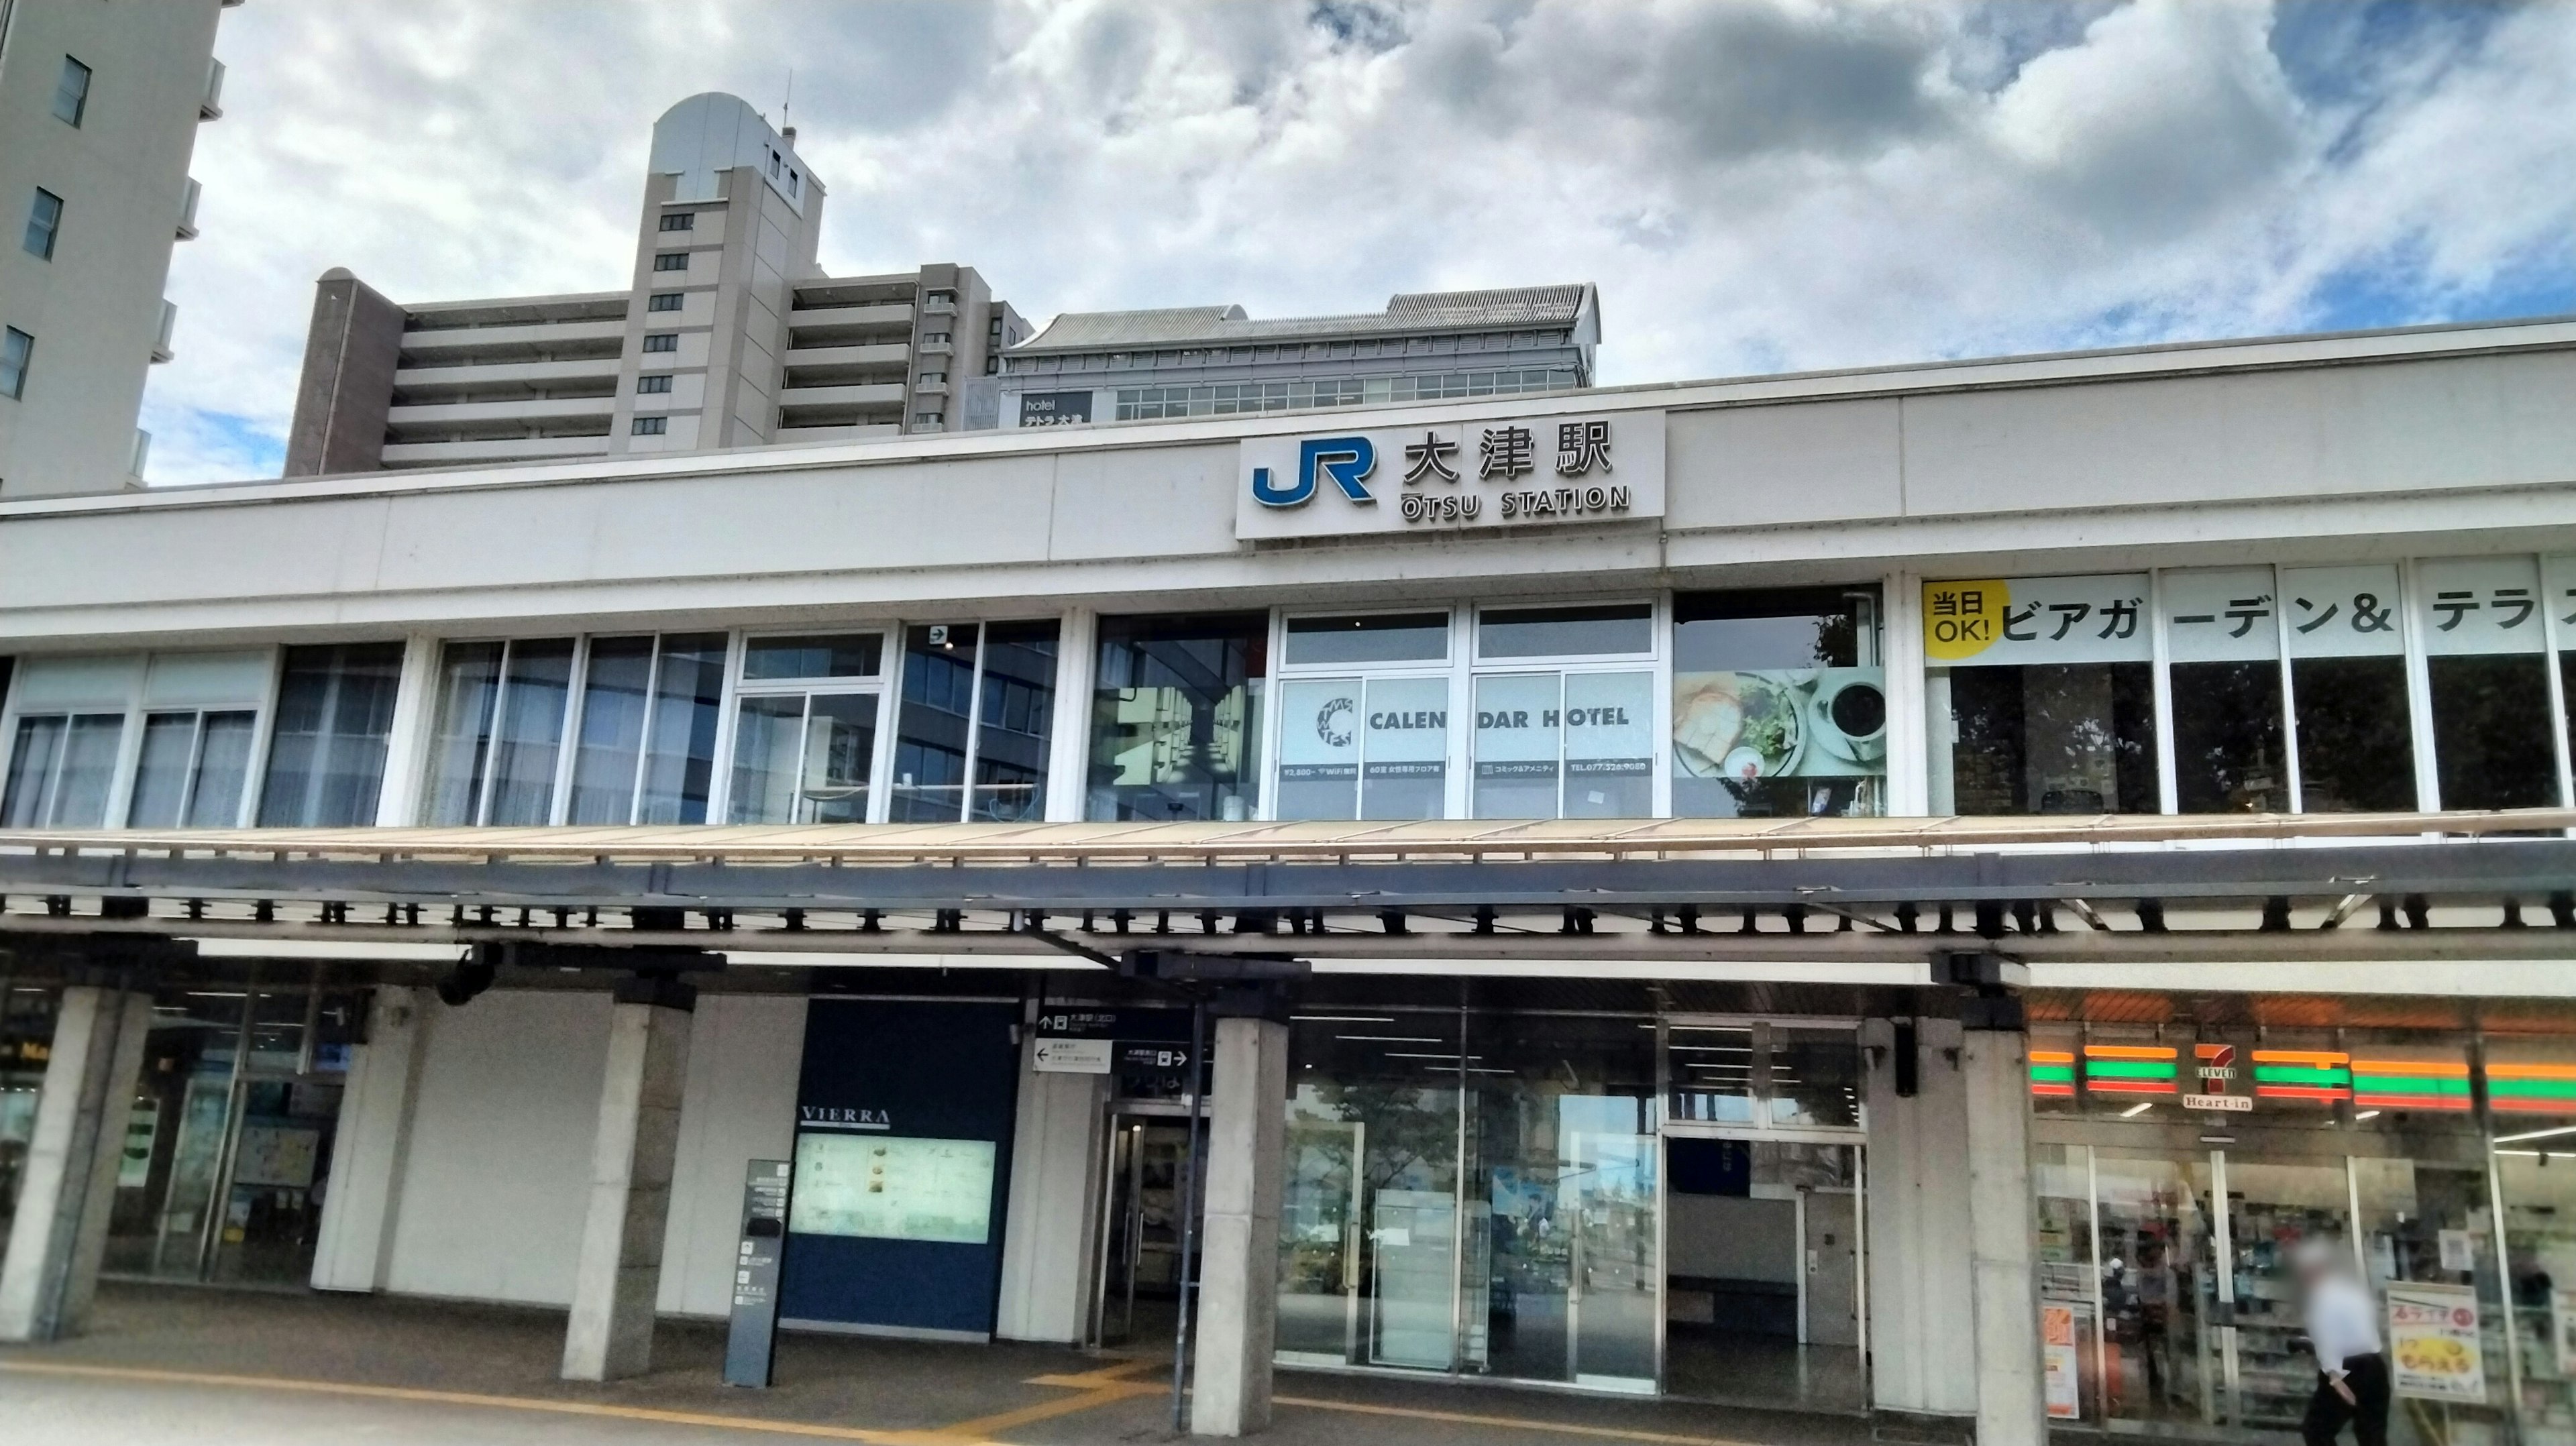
{"x":491,"y":740}
{"x":644,"y":739}
{"x":974,"y":731}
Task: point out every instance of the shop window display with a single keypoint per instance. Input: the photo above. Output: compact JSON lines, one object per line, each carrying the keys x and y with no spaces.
{"x":2485,"y":668}
{"x":2348,"y":686}
{"x":2223,"y":649}
{"x":2041,"y":695}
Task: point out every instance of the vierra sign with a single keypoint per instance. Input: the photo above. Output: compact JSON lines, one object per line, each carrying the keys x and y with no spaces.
{"x":1457,"y":477}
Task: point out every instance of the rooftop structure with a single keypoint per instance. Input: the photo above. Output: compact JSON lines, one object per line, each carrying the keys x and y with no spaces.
{"x":1198,"y":361}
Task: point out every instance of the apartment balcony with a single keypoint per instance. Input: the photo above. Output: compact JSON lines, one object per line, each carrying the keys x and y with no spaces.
{"x":939,"y":306}
{"x":938,"y":348}
{"x":534,"y":341}
{"x":835,"y":326}
{"x":425,"y":385}
{"x":873,"y":394}
{"x":850,"y":432}
{"x":161,"y":351}
{"x":211,"y":106}
{"x":930,"y":389}
{"x":502,"y":449}
{"x":832,"y":366}
{"x":188,"y":209}
{"x":532,"y":412}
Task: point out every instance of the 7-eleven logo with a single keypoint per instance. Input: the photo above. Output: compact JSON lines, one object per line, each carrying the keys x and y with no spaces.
{"x":2217,"y":1061}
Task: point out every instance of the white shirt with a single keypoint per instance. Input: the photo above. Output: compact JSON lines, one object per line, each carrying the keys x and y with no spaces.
{"x":2343,"y":1322}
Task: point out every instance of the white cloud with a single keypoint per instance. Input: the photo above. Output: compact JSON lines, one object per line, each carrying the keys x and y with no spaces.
{"x":1755,"y":185}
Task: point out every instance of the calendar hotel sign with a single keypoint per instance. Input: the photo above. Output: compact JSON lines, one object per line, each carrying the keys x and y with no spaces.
{"x":1478,"y":476}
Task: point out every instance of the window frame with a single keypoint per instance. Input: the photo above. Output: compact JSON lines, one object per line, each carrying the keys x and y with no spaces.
{"x":72,"y":65}
{"x":677,"y":221}
{"x":53,"y":225}
{"x":133,"y":703}
{"x":657,"y":343}
{"x":883,"y":684}
{"x":665,"y":262}
{"x":17,"y":362}
{"x":656,"y":425}
{"x":568,"y":737}
{"x":974,"y":712}
{"x":1462,"y":670}
{"x":664,"y":301}
{"x":653,"y":384}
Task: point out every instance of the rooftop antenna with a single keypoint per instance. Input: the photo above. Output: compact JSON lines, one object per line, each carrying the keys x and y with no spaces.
{"x":787,"y":127}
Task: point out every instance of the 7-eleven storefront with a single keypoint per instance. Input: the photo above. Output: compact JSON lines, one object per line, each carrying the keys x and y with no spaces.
{"x":2183,"y":1148}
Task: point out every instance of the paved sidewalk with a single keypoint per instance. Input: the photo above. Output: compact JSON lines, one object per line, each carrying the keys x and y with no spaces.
{"x":222,"y":1367}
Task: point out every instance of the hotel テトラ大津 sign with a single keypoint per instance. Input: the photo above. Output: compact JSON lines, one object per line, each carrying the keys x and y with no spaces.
{"x":1452,"y":477}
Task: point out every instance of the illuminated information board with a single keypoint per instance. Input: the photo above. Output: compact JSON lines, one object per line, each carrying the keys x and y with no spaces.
{"x":891,"y":1188}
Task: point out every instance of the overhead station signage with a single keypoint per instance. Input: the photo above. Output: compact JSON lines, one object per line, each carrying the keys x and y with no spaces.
{"x":1482,"y":476}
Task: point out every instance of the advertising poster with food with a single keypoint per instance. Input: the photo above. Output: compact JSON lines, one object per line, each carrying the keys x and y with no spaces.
{"x":2433,"y":1343}
{"x":1743,"y":727}
{"x":2058,"y":1360}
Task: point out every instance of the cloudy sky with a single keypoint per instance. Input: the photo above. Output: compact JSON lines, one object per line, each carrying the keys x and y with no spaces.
{"x":1756,"y":185}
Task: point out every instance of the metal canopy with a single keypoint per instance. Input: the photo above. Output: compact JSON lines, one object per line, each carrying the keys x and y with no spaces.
{"x":1852,"y":890}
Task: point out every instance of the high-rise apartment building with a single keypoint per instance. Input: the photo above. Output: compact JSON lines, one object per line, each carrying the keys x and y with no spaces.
{"x":728,"y":334}
{"x":1202,"y":361}
{"x":99,"y":107}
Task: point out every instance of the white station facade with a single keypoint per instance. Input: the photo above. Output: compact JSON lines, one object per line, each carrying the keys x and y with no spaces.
{"x":2151,"y":662}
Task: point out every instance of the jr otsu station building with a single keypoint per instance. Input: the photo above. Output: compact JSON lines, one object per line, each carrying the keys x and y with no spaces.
{"x":1907,"y":891}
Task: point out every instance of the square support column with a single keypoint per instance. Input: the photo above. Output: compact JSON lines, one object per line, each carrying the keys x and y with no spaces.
{"x":371,"y":1144}
{"x":69,"y":1187}
{"x":1238,"y":1318}
{"x":2011,"y":1407}
{"x":619,"y":1276}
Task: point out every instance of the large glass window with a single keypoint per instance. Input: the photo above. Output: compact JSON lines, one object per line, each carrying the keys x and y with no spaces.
{"x":1779,"y":703}
{"x":1176,"y":717}
{"x":2041,"y":695}
{"x":194,"y":769}
{"x":645,"y":745}
{"x":61,"y":767}
{"x":2223,"y":646}
{"x":1570,"y":745}
{"x":2348,"y":688}
{"x":499,"y":734}
{"x":2486,"y":668}
{"x":805,"y":730}
{"x":1369,"y":638}
{"x":1366,"y":748}
{"x":326,"y":756}
{"x":978,"y":711}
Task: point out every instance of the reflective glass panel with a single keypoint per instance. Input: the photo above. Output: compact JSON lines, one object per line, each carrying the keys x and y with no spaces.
{"x":1519,"y":736}
{"x":853,"y":655}
{"x":1565,"y":632}
{"x":88,"y":771}
{"x":2482,"y":630}
{"x":1372,"y":638}
{"x":768,"y":750}
{"x":930,"y":742}
{"x":1609,"y":745}
{"x":469,"y":689}
{"x":1779,"y":703}
{"x":1712,"y":1073}
{"x":1404,"y":763}
{"x":1381,"y":1090}
{"x":1014,"y":722}
{"x":161,"y":770}
{"x":2223,"y":645}
{"x":2348,"y":688}
{"x":1319,"y":748}
{"x":615,"y":687}
{"x":1176,"y":717}
{"x":223,"y":769}
{"x":840,"y":744}
{"x":535,"y":694}
{"x":2047,"y":702}
{"x":680,"y":750}
{"x":34,"y":755}
{"x":326,"y":757}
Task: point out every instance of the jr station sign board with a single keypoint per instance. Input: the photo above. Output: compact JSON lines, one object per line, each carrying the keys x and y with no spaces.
{"x":1453,"y":477}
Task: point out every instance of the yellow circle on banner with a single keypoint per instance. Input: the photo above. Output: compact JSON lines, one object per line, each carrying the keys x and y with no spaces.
{"x":1963,"y":619}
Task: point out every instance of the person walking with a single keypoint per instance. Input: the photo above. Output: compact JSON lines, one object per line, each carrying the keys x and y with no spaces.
{"x":2343,"y":1331}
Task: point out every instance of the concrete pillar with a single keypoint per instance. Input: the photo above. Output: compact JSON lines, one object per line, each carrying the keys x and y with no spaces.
{"x":1920,"y":1361}
{"x":69,"y":1186}
{"x":370,"y":1145}
{"x":1238,"y":1315}
{"x":619,"y":1275}
{"x":2003,"y":1257}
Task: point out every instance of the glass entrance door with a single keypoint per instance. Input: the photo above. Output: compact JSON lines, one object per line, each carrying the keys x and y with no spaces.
{"x":1319,"y":1245}
{"x":1136,"y":1288}
{"x":1763,"y":1260}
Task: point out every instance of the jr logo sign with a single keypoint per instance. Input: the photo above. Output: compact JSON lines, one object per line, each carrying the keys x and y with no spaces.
{"x":1347,"y":460}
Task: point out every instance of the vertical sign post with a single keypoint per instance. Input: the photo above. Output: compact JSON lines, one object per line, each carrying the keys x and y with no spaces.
{"x":755,"y":1273}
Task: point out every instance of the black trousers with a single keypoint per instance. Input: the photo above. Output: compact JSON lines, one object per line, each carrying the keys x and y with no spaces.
{"x":2367,"y":1411}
